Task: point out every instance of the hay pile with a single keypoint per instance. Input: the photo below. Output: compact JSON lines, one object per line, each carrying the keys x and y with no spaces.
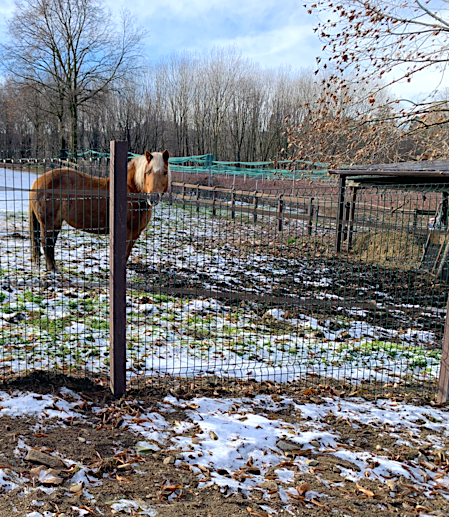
{"x":400,"y":249}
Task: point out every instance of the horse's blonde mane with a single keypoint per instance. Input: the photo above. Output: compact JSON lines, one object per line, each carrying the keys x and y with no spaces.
{"x":140,"y":163}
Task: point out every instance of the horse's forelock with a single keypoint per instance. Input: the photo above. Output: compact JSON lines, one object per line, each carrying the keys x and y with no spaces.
{"x":157,"y":164}
{"x":140,"y":163}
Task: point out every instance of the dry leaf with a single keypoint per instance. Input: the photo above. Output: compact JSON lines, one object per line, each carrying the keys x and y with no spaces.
{"x":35,"y":472}
{"x":367,"y":492}
{"x":256,"y":513}
{"x":53,"y":481}
{"x":125,"y":466}
{"x":302,"y":489}
{"x":317,"y":503}
{"x":421,"y":508}
{"x":123,"y":479}
{"x":76,"y":488}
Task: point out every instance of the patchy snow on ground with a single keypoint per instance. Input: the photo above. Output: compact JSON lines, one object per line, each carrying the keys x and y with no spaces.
{"x":236,"y":442}
{"x":261,"y":446}
{"x":61,"y":321}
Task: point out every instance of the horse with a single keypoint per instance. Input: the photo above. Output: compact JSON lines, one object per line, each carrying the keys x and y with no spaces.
{"x":82,"y":201}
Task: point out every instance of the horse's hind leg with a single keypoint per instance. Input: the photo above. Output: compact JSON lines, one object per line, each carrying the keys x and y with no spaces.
{"x":49,"y":249}
{"x":49,"y":237}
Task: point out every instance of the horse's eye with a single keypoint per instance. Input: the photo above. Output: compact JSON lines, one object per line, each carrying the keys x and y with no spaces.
{"x":165,"y":173}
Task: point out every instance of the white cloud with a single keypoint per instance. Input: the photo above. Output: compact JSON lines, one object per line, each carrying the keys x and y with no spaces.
{"x":266,"y":31}
{"x":292,"y":45}
{"x":422,"y":84}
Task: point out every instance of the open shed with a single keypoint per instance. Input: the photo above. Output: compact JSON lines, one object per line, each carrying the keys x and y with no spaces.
{"x":415,"y":176}
{"x":406,"y":176}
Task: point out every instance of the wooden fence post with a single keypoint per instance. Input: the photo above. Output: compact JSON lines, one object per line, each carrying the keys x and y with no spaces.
{"x":255,"y":203}
{"x":352,"y":217}
{"x":214,"y":208}
{"x":117,"y":266}
{"x":340,"y":212}
{"x":280,"y":211}
{"x":443,"y":384}
{"x":310,"y":223}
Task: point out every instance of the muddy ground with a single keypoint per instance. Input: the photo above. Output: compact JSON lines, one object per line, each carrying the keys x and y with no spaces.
{"x":95,"y":440}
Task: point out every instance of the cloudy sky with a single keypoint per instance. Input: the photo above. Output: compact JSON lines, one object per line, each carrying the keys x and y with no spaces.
{"x":270,"y":32}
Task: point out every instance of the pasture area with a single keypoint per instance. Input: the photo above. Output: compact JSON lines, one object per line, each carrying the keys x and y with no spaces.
{"x":224,"y":287}
{"x":271,"y":375}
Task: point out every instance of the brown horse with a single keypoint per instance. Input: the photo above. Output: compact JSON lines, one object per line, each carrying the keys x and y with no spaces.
{"x":83,"y":202}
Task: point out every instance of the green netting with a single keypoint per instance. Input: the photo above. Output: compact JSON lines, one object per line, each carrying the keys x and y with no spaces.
{"x":206,"y":164}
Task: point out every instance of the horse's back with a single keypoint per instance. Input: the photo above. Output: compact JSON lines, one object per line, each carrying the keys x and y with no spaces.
{"x":70,"y":179}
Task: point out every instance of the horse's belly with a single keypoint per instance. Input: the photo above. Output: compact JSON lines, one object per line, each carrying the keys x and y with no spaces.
{"x":90,"y":215}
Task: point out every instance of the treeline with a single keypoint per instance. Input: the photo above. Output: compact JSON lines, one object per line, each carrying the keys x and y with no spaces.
{"x":191,"y":104}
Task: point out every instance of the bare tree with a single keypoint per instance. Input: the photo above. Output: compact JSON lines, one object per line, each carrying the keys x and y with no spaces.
{"x":373,"y":45}
{"x":68,"y":51}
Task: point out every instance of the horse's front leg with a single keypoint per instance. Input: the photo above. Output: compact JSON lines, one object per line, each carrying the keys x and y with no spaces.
{"x":129,"y":246}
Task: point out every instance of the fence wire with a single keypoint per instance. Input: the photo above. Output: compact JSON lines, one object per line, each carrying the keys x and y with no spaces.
{"x":230,"y":284}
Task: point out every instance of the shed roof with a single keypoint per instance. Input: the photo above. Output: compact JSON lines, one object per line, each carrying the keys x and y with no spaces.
{"x":424,"y":172}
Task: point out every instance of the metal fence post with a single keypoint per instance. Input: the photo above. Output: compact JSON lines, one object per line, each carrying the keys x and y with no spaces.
{"x":117,"y":259}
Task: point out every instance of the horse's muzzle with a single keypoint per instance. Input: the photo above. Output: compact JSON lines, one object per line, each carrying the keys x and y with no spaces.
{"x":154,"y":198}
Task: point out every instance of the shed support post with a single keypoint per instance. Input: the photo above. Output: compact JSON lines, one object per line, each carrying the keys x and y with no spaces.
{"x":117,"y":258}
{"x":340,"y":212}
{"x":443,"y":383}
{"x":444,"y":209}
{"x":352,"y":217}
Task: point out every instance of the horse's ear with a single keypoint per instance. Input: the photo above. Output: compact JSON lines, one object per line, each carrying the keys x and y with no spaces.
{"x":166,"y":156}
{"x":148,"y":156}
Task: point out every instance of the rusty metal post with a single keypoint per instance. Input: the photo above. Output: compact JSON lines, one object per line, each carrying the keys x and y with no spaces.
{"x":233,"y":204}
{"x":117,"y":273}
{"x":443,"y":383}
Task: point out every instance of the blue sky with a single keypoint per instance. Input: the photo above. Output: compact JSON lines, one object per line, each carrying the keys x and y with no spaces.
{"x":268,"y":31}
{"x":271,"y":32}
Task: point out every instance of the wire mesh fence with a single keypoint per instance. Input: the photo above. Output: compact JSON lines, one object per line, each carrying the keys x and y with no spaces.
{"x":226,"y":284}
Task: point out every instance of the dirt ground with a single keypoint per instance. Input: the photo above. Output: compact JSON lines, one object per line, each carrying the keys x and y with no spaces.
{"x":110,"y":453}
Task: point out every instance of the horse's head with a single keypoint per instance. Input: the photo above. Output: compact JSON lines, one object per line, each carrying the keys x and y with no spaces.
{"x":152,"y":174}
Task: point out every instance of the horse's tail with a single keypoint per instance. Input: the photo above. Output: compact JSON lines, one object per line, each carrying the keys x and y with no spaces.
{"x":35,"y":228}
